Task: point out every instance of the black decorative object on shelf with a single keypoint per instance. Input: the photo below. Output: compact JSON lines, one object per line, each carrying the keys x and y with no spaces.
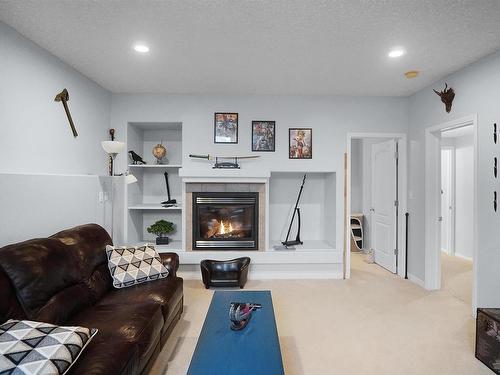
{"x":240,"y":314}
{"x":136,"y":159}
{"x":296,"y":210}
{"x":169,"y":202}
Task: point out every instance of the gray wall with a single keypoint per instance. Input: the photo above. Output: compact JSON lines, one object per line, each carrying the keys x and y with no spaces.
{"x":464,"y":196}
{"x":44,"y":185}
{"x":331,"y":118}
{"x":36,"y":137}
{"x":357,"y":182}
{"x":476,"y":90}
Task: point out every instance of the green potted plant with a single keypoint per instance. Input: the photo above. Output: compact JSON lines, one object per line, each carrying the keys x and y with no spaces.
{"x":161,"y":228}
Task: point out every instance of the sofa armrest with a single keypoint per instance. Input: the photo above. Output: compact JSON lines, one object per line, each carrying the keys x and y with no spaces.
{"x":171,"y":262}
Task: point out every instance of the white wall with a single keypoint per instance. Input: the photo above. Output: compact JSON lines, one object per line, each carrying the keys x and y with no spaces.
{"x":464,"y":196}
{"x":476,"y":90}
{"x":35,"y":134}
{"x":36,"y":142}
{"x":357,"y":181}
{"x":331,"y":118}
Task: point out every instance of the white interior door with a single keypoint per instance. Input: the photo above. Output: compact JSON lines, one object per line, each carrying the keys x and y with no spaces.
{"x":446,"y":201}
{"x":384,"y":196}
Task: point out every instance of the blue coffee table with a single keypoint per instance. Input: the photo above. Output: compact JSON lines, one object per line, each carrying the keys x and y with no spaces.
{"x":254,"y":350}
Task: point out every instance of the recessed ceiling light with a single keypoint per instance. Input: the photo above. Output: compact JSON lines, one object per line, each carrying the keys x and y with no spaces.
{"x":396,"y":52}
{"x":141,"y":48}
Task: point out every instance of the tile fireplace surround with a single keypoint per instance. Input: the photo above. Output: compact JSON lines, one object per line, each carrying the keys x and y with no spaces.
{"x":225,"y":187}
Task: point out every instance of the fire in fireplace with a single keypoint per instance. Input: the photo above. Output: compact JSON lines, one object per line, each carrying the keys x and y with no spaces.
{"x":225,"y":220}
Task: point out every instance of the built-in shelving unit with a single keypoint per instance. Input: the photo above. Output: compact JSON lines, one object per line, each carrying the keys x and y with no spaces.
{"x":356,"y":232}
{"x":317,"y":208}
{"x":143,"y":198}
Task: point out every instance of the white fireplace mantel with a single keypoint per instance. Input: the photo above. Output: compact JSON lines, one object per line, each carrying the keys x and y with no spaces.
{"x":232,"y":175}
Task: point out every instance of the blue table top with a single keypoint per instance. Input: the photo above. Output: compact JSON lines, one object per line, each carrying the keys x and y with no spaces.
{"x":253,"y":350}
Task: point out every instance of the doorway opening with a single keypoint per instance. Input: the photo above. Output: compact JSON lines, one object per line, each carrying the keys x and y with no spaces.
{"x":376,"y":200}
{"x":450,"y":205}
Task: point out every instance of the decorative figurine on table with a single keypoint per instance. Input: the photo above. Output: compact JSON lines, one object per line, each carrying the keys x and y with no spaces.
{"x":136,"y":159}
{"x":240,"y":314}
{"x":159,"y":152}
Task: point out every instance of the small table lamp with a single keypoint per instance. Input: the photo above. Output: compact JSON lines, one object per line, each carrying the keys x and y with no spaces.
{"x":113,"y":148}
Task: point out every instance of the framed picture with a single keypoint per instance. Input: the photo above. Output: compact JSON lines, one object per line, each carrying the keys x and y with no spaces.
{"x":300,"y":143}
{"x":263,"y":135}
{"x":226,"y":128}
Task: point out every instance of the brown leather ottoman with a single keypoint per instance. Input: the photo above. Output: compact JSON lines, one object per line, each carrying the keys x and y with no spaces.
{"x":232,"y":272}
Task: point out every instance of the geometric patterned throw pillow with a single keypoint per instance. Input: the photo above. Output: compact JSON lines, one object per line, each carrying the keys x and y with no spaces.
{"x":130,"y":265}
{"x":28,"y":347}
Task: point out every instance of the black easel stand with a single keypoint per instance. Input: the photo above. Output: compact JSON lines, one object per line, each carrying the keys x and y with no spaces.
{"x":170,"y":202}
{"x":296,"y":209}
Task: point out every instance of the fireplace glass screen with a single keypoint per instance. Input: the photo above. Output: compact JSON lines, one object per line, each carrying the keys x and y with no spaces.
{"x":225,"y":220}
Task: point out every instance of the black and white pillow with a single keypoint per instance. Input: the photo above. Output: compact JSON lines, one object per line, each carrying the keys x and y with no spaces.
{"x":35,"y":348}
{"x":130,"y":265}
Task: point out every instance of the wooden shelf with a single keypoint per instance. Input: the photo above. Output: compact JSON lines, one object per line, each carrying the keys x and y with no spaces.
{"x":355,"y":226}
{"x":164,"y":166}
{"x":153,"y":206}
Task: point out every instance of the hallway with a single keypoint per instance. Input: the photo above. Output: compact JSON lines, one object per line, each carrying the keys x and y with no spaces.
{"x":456,"y":274}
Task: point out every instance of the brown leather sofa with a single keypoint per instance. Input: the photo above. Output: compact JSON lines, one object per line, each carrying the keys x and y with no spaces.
{"x":64,"y":279}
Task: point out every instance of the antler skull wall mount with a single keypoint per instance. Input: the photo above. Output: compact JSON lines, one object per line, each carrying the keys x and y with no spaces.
{"x":447,"y":96}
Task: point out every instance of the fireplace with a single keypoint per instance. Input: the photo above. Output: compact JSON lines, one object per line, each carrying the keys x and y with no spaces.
{"x":227,"y":221}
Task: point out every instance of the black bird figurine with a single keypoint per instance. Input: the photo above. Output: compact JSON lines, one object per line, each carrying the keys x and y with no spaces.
{"x":136,"y":158}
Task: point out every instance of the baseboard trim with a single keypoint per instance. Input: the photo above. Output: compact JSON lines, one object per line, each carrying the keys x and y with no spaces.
{"x":463,"y":257}
{"x":416,"y":280}
{"x":276,"y":271}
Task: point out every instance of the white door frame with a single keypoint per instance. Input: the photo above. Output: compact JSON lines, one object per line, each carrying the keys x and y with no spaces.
{"x":451,"y":229}
{"x":433,"y":198}
{"x":402,"y":194}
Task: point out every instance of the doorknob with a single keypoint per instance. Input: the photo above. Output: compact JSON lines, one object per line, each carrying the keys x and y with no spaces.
{"x":440,"y":218}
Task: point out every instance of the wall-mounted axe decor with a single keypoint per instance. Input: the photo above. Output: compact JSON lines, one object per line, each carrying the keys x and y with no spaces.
{"x":63,"y":97}
{"x":447,"y":96}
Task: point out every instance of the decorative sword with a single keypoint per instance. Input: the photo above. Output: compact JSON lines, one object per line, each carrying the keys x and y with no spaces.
{"x":224,"y":164}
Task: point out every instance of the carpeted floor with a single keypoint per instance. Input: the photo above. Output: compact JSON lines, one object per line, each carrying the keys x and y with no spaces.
{"x":374,"y":323}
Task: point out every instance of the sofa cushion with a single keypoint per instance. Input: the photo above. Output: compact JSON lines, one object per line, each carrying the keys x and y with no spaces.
{"x":130,"y":265}
{"x":165,"y":293}
{"x":57,"y":269}
{"x":40,"y":348}
{"x":128,"y":335}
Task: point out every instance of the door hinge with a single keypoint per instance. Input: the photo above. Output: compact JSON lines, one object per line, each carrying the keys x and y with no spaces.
{"x":396,"y":155}
{"x":396,"y":203}
{"x":395,"y":251}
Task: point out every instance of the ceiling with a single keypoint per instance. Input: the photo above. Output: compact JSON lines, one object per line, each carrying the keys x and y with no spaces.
{"x":261,"y":46}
